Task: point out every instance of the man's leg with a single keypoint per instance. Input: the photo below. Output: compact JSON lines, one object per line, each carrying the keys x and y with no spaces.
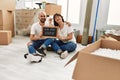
{"x":34,"y":45}
{"x":46,"y":43}
{"x":33,"y":56}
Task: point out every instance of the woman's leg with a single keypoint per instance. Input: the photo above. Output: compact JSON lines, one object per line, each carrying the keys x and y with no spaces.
{"x":47,"y":42}
{"x":70,"y":46}
{"x":56,"y":47}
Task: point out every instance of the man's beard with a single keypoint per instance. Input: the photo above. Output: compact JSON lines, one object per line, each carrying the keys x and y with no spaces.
{"x":42,"y":20}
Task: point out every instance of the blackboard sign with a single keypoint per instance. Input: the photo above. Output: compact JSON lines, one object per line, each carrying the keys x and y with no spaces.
{"x":49,"y":31}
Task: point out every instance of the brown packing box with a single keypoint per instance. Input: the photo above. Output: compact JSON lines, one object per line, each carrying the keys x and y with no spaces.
{"x":6,"y":17}
{"x":51,"y":9}
{"x":5,"y":37}
{"x":7,"y":4}
{"x":93,"y":67}
{"x":7,"y":20}
{"x":79,"y":39}
{"x":9,"y":27}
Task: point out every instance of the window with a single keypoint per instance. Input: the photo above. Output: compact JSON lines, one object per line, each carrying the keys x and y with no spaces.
{"x":31,"y":4}
{"x":114,"y":13}
{"x":70,"y":10}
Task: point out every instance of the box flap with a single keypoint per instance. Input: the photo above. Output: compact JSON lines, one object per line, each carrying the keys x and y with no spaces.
{"x":110,"y":44}
{"x":73,"y":58}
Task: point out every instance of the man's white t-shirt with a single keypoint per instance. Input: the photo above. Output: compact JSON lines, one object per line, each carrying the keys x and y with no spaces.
{"x":65,"y":31}
{"x":36,"y":29}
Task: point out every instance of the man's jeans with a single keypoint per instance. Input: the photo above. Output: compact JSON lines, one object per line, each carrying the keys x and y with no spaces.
{"x":36,"y":44}
{"x":59,"y":45}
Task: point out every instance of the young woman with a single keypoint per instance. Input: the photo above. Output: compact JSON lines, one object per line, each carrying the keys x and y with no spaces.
{"x":66,"y":41}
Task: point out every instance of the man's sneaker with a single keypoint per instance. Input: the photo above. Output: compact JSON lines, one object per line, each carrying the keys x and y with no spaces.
{"x":25,"y":55}
{"x":42,"y":51}
{"x":33,"y":58}
{"x":35,"y":54}
{"x":64,"y":55}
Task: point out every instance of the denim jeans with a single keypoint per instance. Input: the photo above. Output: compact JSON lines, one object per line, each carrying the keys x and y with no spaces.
{"x":36,"y":44}
{"x":59,"y":45}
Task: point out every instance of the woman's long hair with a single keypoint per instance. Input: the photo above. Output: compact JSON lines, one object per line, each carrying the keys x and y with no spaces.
{"x":55,"y":23}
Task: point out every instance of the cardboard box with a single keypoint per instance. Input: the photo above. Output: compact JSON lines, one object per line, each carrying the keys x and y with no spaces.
{"x":6,"y":17}
{"x":9,"y":27}
{"x":79,"y":39}
{"x":5,"y":37}
{"x":7,"y":4}
{"x":51,"y":9}
{"x":94,"y":67}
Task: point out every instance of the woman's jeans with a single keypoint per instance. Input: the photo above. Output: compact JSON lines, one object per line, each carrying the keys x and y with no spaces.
{"x":36,"y":44}
{"x":59,"y":45}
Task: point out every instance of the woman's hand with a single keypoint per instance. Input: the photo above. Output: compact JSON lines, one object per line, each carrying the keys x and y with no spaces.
{"x":62,"y":38}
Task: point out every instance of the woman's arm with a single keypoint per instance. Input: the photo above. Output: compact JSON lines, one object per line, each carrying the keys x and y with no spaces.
{"x":68,"y":37}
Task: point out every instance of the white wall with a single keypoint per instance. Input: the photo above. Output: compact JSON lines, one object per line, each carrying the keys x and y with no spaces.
{"x":102,"y":14}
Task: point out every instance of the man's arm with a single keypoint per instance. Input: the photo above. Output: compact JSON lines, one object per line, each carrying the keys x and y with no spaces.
{"x":34,"y":37}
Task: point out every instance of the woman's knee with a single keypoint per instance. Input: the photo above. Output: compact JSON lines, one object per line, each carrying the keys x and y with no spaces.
{"x":72,"y":47}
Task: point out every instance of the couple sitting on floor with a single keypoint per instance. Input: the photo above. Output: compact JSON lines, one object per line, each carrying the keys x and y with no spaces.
{"x":64,"y":43}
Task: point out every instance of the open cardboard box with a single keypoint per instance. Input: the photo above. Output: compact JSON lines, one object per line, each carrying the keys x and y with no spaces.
{"x":94,"y":67}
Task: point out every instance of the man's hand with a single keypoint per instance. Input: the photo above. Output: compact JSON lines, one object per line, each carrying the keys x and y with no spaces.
{"x":68,"y":23}
{"x":40,"y":34}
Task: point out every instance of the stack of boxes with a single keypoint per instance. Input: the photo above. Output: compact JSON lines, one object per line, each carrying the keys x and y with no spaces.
{"x":24,"y":18}
{"x":51,"y":9}
{"x":7,"y":8}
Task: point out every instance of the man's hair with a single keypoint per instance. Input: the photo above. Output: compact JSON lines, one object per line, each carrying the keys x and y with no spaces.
{"x":42,"y":12}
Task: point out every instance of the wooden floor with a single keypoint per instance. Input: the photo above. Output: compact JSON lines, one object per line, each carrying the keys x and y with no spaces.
{"x":13,"y":66}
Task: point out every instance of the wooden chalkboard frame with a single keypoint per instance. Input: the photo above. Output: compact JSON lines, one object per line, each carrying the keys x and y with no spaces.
{"x":47,"y":35}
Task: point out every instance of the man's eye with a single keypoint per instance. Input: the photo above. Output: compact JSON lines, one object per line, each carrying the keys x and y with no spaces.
{"x":42,"y":16}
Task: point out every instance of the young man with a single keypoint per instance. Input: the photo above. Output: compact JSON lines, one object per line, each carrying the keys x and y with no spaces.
{"x":37,"y":42}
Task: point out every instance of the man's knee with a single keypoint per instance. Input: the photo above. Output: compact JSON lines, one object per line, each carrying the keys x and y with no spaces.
{"x":29,"y":43}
